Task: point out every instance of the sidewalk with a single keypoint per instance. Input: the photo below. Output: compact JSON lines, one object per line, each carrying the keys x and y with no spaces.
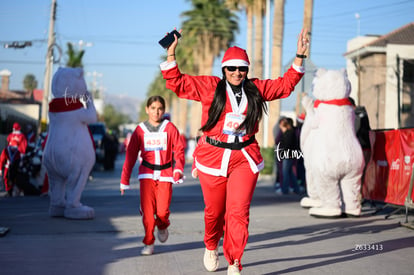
{"x":283,"y":238}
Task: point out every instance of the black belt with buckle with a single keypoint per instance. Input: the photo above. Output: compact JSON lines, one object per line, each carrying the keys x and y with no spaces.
{"x":232,"y":146}
{"x":155,"y":166}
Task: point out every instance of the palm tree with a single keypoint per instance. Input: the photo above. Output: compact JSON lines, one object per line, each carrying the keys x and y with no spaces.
{"x":211,"y":27}
{"x":74,"y":56}
{"x":307,"y":23}
{"x":276,"y":71}
{"x":247,"y":6}
{"x":29,"y":84}
{"x":259,"y":7}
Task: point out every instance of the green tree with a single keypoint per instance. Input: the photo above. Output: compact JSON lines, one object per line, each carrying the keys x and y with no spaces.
{"x":29,"y":84}
{"x":74,"y":56}
{"x":113,"y":119}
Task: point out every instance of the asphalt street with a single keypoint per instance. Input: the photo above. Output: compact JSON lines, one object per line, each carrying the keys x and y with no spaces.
{"x":284,"y":239}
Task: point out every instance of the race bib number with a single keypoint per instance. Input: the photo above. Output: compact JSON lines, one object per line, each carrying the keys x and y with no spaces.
{"x":232,"y":122}
{"x":155,"y":141}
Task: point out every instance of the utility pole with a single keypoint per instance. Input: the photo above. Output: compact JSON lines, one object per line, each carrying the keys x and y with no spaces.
{"x":49,"y":65}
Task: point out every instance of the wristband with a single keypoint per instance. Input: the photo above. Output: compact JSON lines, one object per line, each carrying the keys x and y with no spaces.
{"x":300,"y":56}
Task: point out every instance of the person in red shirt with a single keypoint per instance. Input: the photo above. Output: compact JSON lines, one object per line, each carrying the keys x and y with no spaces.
{"x":227,"y":157}
{"x":17,"y":139}
{"x":16,"y":143}
{"x":157,"y":140}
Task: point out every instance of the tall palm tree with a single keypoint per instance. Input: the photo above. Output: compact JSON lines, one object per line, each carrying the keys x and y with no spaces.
{"x":307,"y":23}
{"x":211,"y":26}
{"x":247,"y":6}
{"x":259,"y":7}
{"x":276,"y":71}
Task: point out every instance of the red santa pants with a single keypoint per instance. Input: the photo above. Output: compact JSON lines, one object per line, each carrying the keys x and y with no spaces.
{"x":155,"y":206}
{"x":227,"y":204}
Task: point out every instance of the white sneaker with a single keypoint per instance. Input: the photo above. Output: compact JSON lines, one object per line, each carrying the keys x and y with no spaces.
{"x":148,"y":250}
{"x":163,"y":235}
{"x":211,"y":259}
{"x":234,"y":269}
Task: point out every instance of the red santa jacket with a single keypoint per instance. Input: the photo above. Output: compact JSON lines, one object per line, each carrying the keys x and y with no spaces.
{"x":211,"y":159}
{"x":157,"y":149}
{"x":17,"y":139}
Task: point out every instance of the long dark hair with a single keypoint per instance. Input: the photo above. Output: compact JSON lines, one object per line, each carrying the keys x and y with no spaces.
{"x":255,"y":106}
{"x":156,"y":98}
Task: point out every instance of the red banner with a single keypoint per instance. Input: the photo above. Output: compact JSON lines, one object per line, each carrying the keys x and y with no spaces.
{"x":388,"y":173}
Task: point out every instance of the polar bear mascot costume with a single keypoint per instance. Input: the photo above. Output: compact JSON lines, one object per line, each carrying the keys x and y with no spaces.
{"x":335,"y":159}
{"x":306,"y":145}
{"x":69,"y":152}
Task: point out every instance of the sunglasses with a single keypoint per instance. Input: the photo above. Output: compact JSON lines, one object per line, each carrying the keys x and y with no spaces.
{"x":234,"y":68}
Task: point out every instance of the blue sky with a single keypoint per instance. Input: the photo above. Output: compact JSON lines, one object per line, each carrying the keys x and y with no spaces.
{"x":124,"y":35}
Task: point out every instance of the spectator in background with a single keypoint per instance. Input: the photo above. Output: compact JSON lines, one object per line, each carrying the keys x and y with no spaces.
{"x":288,"y":145}
{"x":17,"y":139}
{"x":111,"y":147}
{"x":11,"y":155}
{"x":30,"y":136}
{"x":362,"y":128}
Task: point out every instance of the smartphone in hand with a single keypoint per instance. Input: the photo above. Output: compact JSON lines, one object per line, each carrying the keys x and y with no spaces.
{"x":169,"y":39}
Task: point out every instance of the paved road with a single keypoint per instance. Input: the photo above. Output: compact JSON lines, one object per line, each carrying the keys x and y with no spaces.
{"x":283,"y":238}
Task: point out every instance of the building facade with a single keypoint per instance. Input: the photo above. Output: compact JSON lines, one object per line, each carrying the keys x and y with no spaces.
{"x":380,"y":69}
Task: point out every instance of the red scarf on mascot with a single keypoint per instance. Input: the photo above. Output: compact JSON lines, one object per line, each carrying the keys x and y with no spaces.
{"x":338,"y":102}
{"x":58,"y":105}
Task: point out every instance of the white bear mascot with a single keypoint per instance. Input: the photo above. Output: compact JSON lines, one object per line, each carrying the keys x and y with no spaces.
{"x":69,"y":154}
{"x":335,"y":161}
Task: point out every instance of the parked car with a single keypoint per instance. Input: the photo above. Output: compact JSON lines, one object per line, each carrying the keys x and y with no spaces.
{"x":98,"y":131}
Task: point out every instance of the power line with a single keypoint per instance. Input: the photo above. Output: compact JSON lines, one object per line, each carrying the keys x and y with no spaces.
{"x":35,"y":62}
{"x":346,"y":13}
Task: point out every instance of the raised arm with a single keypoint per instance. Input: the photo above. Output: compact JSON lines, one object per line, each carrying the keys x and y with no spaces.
{"x":302,"y":47}
{"x":171,"y":49}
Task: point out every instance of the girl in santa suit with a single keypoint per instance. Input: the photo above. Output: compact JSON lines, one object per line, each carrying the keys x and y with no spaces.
{"x":227,"y":157}
{"x":157,"y":141}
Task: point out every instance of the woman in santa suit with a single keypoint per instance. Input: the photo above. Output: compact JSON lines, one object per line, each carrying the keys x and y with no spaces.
{"x":158,"y":140}
{"x":227,"y":157}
